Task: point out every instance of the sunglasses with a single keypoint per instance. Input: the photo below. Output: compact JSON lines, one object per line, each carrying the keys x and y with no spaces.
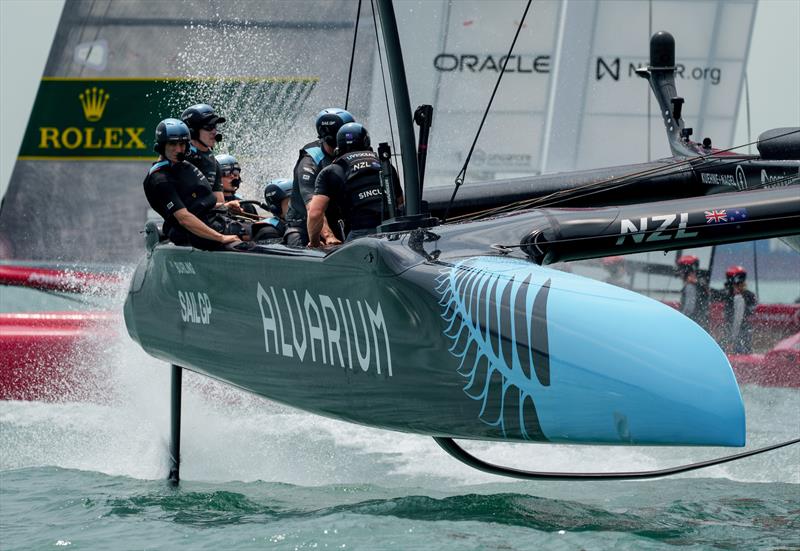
{"x":210,"y":127}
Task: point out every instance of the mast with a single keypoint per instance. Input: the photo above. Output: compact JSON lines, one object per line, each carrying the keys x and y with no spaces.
{"x":402,"y":105}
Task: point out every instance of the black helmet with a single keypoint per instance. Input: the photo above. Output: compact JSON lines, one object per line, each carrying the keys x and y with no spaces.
{"x":351,"y":137}
{"x":170,"y":130}
{"x":276,"y":191}
{"x":228,"y":165}
{"x":201,"y":116}
{"x":328,"y":123}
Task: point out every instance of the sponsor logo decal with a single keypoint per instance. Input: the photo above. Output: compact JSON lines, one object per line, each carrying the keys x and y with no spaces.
{"x":478,"y":63}
{"x":183,"y":268}
{"x":195,"y":307}
{"x":324,"y":329}
{"x":611,"y":67}
{"x":369,"y":193}
{"x":653,"y":228}
{"x":741,"y":179}
{"x":94,"y":103}
{"x":718,"y":179}
{"x":114,"y":118}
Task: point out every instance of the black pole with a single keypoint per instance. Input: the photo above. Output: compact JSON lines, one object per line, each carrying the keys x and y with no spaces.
{"x":175,"y":426}
{"x":423,"y":116}
{"x":402,"y":105}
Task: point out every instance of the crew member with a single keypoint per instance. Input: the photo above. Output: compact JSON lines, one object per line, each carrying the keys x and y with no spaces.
{"x":231,"y":180}
{"x":314,"y":156}
{"x":276,"y":201}
{"x":353,"y":184}
{"x":695,"y":290}
{"x":202,"y":122}
{"x":617,"y":275}
{"x":740,"y":305}
{"x":180,"y":193}
{"x":277,"y":195}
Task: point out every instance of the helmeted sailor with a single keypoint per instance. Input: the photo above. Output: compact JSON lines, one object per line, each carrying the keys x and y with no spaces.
{"x":202,"y":122}
{"x":695,"y":292}
{"x":617,"y":272}
{"x":277,"y":194}
{"x":180,"y":193}
{"x":276,"y":201}
{"x":740,"y":305}
{"x":314,"y":156}
{"x":231,"y":180}
{"x":352,"y":184}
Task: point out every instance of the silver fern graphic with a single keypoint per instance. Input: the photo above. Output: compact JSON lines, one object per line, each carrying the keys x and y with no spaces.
{"x":497,"y":322}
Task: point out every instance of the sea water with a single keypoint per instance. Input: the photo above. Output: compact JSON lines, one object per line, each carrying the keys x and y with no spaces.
{"x":255,"y":475}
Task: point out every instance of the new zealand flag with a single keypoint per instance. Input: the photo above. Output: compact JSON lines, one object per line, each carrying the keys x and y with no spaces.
{"x":737,"y":215}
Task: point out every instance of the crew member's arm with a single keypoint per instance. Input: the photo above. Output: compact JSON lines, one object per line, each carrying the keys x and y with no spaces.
{"x":216,"y":185}
{"x":193,"y":224}
{"x":316,"y":219}
{"x":305,"y":175}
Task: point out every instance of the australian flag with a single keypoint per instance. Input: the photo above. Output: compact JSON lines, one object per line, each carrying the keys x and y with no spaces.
{"x":737,"y":215}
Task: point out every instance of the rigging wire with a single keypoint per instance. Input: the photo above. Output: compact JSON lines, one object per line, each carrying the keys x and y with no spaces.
{"x":383,"y":73}
{"x":692,"y":163}
{"x":352,"y":57}
{"x":463,"y":173}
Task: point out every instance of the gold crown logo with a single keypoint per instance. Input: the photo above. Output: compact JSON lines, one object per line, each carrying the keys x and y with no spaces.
{"x":94,"y":103}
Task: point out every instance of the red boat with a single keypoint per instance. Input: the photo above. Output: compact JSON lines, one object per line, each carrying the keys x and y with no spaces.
{"x":779,"y":363}
{"x":50,"y":355}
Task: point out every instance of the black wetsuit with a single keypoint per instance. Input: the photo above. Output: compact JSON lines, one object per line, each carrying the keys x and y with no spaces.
{"x":208,"y":165}
{"x":353,"y":184}
{"x":694,"y":303}
{"x":738,"y":330}
{"x":311,"y":160}
{"x":170,"y":187}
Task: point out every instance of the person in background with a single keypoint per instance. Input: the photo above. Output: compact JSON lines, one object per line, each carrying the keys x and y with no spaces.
{"x":231,"y":180}
{"x":314,"y":156}
{"x":695,"y":290}
{"x":202,"y":122}
{"x":617,"y":275}
{"x":352,"y":184}
{"x":180,"y":193}
{"x":740,"y":305}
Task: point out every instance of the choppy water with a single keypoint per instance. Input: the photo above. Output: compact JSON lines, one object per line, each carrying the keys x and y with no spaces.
{"x":257,"y":475}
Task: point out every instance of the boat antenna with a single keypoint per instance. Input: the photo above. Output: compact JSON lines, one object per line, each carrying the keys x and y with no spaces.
{"x":352,"y":57}
{"x":461,"y":175}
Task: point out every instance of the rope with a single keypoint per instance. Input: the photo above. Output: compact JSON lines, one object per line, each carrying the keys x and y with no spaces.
{"x":461,"y":175}
{"x":352,"y":57}
{"x":630,"y":179}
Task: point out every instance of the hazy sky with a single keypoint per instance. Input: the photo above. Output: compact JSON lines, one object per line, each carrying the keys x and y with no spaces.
{"x":27,"y":28}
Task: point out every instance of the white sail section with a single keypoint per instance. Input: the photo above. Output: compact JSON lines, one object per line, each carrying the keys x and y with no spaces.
{"x":570,"y":98}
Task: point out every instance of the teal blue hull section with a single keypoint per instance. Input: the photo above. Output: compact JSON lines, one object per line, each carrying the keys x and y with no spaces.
{"x":484,"y":347}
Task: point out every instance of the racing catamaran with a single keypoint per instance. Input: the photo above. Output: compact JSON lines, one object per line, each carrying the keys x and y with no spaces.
{"x":459,"y":330}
